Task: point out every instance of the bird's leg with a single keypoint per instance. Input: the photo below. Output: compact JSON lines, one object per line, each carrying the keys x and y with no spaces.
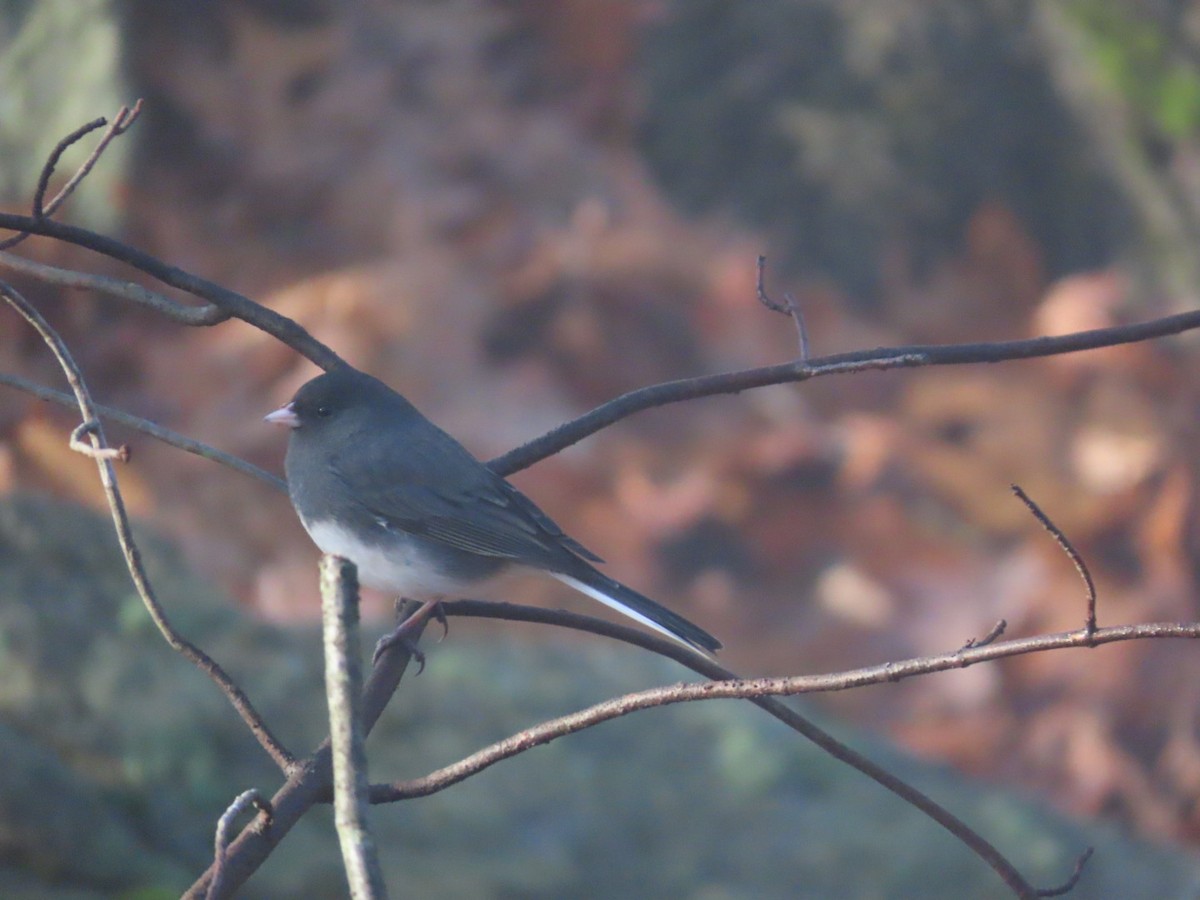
{"x":403,"y":633}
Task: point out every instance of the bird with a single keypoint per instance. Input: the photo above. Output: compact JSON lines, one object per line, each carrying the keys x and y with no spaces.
{"x":376,"y":482}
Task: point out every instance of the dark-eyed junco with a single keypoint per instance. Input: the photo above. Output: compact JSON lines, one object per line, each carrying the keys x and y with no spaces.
{"x":376,"y":482}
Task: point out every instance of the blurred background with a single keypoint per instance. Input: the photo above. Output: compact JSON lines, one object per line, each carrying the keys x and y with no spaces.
{"x":514,"y":210}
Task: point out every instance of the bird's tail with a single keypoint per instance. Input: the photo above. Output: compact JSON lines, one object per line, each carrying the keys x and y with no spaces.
{"x":625,"y":600}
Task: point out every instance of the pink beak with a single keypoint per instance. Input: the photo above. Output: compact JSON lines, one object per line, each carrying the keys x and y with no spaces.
{"x":285,"y":415}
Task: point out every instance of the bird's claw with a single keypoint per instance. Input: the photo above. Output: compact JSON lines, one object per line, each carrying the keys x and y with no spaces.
{"x":440,"y":614}
{"x":402,"y":634}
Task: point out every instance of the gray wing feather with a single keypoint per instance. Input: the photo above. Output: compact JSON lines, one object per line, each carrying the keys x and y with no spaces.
{"x":482,"y":513}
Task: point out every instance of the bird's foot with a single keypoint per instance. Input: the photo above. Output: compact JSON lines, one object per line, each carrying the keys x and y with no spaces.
{"x":403,"y":633}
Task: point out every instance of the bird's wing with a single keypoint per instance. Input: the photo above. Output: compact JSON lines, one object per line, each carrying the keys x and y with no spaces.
{"x":476,"y":510}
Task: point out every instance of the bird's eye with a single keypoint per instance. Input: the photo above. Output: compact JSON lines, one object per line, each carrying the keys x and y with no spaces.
{"x":323,"y":412}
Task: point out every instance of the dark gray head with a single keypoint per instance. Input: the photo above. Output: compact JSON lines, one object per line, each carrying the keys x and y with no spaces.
{"x":345,"y":401}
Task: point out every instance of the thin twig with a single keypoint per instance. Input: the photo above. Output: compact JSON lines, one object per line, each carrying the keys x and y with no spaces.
{"x":129,"y":548}
{"x":995,"y":632}
{"x":121,"y":123}
{"x":1069,"y":884}
{"x":789,"y":308}
{"x":729,"y":687}
{"x":153,"y":429}
{"x":208,"y":314}
{"x":77,"y":444}
{"x":242,"y":802}
{"x":1067,"y":548}
{"x":343,"y":691}
{"x":39,"y":194}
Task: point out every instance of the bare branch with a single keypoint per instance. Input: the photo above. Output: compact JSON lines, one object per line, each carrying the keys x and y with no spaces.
{"x":343,"y":690}
{"x":995,"y":632}
{"x":293,"y":335}
{"x":857,"y":361}
{"x":709,"y":668}
{"x":121,"y":123}
{"x":1069,"y":884}
{"x":129,"y":548}
{"x":1069,"y":549}
{"x":153,"y":429}
{"x":39,"y":194}
{"x":789,"y":308}
{"x":308,"y":781}
{"x":231,"y":303}
{"x":730,"y":687}
{"x":208,"y":314}
{"x":242,"y":802}
{"x":77,"y":444}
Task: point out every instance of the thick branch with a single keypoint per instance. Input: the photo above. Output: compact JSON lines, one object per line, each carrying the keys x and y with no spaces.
{"x":343,"y":692}
{"x":308,"y":781}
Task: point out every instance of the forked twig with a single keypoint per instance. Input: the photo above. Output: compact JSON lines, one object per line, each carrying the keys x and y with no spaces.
{"x":1067,"y":548}
{"x":789,"y":308}
{"x":121,"y":123}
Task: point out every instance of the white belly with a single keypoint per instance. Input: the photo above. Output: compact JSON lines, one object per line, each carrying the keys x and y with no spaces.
{"x":399,"y":570}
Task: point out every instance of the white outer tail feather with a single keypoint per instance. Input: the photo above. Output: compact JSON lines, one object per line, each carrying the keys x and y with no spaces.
{"x":618,"y":606}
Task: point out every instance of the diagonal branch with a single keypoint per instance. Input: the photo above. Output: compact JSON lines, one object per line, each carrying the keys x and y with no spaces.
{"x":153,"y":429}
{"x":129,"y":548}
{"x":728,"y":686}
{"x":289,"y":332}
{"x":231,"y":303}
{"x":838,"y":364}
{"x":762,"y":692}
{"x":307,"y":782}
{"x":208,"y":314}
{"x":709,"y":668}
{"x":1068,"y":548}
